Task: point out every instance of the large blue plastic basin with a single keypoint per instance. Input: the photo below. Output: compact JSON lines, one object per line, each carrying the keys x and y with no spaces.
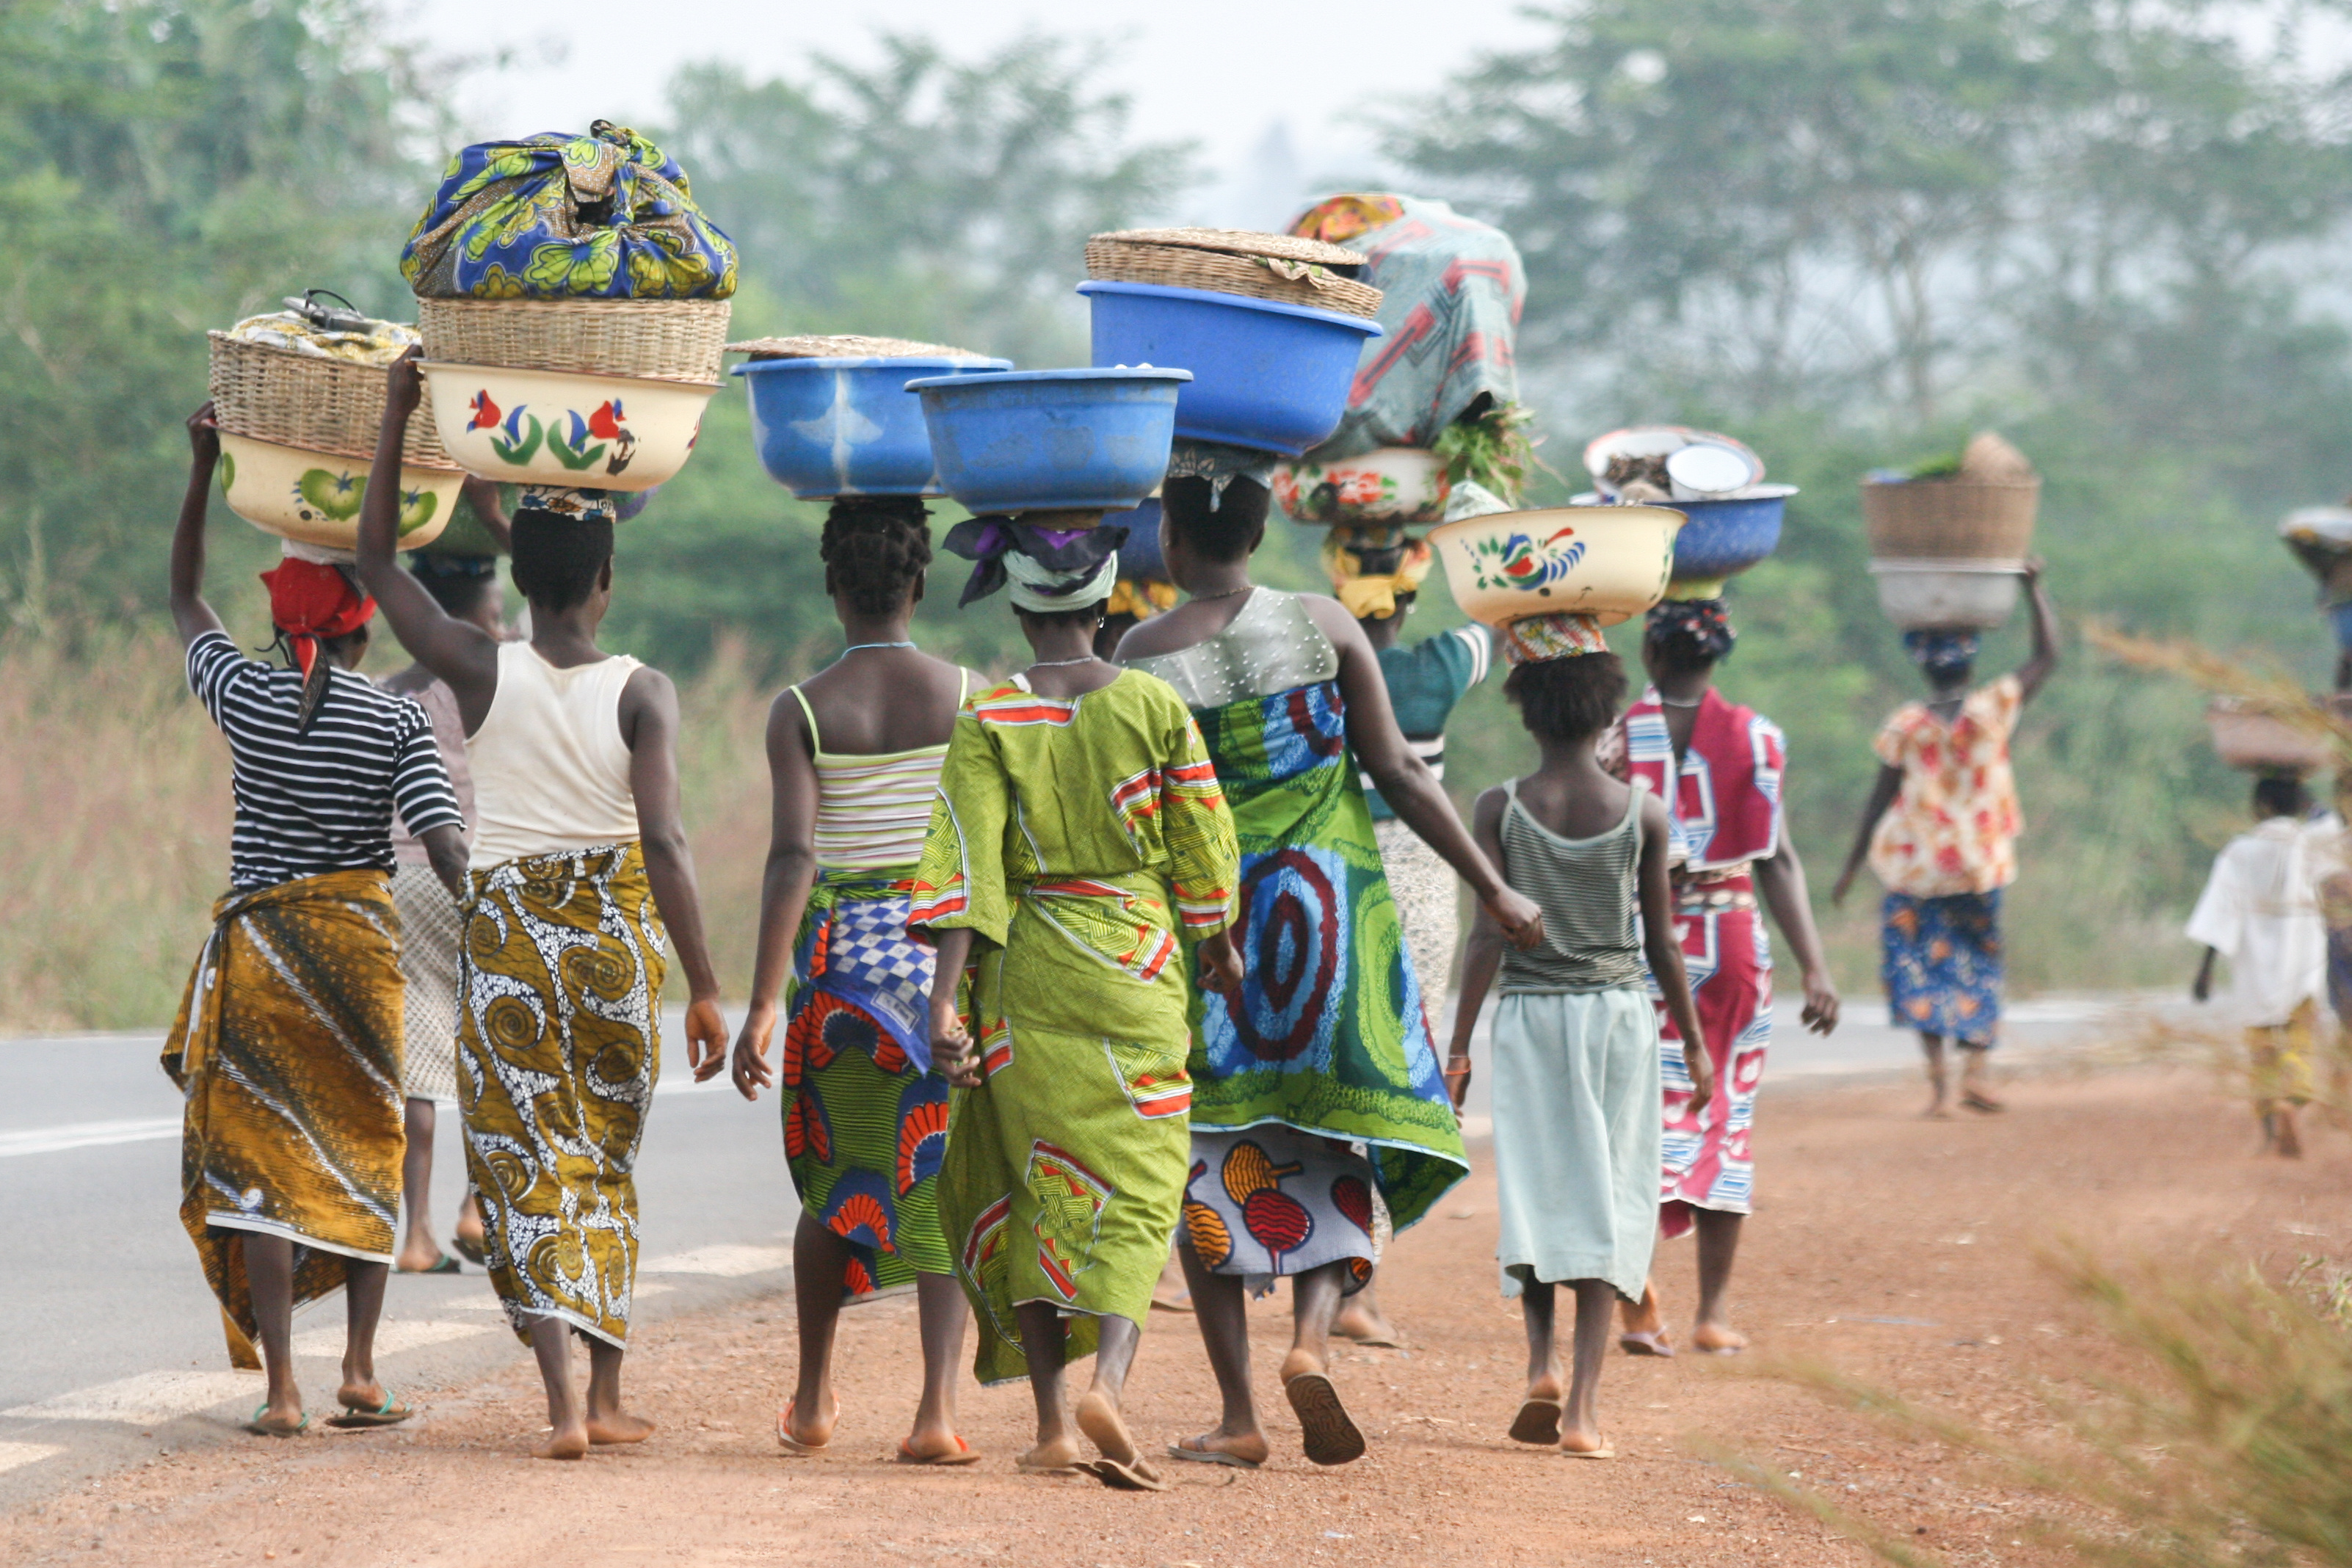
{"x":1037,"y":440}
{"x":827,"y":428}
{"x":1724,"y":538}
{"x":1265,"y":374}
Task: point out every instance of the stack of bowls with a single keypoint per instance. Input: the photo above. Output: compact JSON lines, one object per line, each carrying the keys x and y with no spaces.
{"x":1714,"y":480}
{"x":1948,"y":548}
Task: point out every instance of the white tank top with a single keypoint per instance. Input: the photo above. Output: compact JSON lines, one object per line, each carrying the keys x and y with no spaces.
{"x":550,"y":770}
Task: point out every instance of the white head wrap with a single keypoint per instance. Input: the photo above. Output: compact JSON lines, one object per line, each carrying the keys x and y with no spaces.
{"x":1048,"y":592}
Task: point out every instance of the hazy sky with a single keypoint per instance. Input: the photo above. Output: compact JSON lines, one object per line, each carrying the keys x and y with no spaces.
{"x":1236,"y":76}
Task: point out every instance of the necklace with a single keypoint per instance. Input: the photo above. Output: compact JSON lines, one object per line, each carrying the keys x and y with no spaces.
{"x":853,"y":647}
{"x":1670,"y":703}
{"x":1058,"y":663}
{"x":1205,"y":598}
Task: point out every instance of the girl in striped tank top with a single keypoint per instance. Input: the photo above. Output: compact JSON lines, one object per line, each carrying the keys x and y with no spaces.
{"x":855,"y":752}
{"x":1575,"y":1039}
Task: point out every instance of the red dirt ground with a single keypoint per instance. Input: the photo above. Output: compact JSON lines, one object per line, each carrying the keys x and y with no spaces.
{"x":1932,"y":1230}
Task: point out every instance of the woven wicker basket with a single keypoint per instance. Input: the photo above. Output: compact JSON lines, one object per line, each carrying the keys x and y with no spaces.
{"x":649,"y":339}
{"x":1950,"y":519}
{"x":312,"y":404}
{"x":1244,"y":242}
{"x":1291,"y":282}
{"x":845,"y":346}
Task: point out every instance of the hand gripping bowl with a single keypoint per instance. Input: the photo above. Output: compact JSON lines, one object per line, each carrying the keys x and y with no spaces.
{"x":562,"y":427}
{"x":314,"y":497}
{"x":827,"y":428}
{"x":1265,"y":374}
{"x":1918,"y":596}
{"x":1607,"y":562}
{"x":1388,"y":485}
{"x":1051,"y":440}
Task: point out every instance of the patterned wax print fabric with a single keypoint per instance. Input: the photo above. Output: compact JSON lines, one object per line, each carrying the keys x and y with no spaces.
{"x":2279,"y":1056}
{"x":1086,"y":843}
{"x":601,"y":216}
{"x":865,"y":1120}
{"x":1451,"y":292}
{"x":1954,"y":825}
{"x":1271,"y":1202}
{"x":429,"y":932}
{"x":287,"y":1051}
{"x":1724,"y":811}
{"x":1940,"y":962}
{"x":1425,"y":681}
{"x":557,"y":1051}
{"x":1329,"y":1036}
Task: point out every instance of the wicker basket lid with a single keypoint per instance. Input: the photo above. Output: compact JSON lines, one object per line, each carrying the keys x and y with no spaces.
{"x":845,"y":346}
{"x":1244,"y":242}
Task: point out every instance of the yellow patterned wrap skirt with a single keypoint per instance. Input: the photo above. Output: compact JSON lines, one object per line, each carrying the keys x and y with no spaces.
{"x":558,"y":1048}
{"x":287,"y":1048}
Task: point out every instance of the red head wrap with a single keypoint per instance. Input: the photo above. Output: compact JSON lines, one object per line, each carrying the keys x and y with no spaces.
{"x":309,"y":602}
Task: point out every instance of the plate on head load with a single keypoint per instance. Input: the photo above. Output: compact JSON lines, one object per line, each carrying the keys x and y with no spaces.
{"x":1607,"y":562}
{"x":828,"y":427}
{"x":1388,"y":485}
{"x":1687,"y":464}
{"x":565,"y":429}
{"x":1265,"y":374}
{"x":1922,"y":596}
{"x":1051,"y":440}
{"x":314,"y":497}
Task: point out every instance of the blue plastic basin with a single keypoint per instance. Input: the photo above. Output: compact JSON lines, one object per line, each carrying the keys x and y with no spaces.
{"x":1265,"y":374}
{"x":1035,"y":440}
{"x":1727,"y":537}
{"x":827,"y":428}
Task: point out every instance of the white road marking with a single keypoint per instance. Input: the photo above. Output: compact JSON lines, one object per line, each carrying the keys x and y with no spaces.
{"x":393,"y":1335}
{"x":147,"y":1400}
{"x":726,"y":1259}
{"x":87,"y":1135}
{"x":14,"y":1454}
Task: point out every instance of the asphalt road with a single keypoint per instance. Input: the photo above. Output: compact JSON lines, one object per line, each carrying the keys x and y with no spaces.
{"x":115,"y":1347}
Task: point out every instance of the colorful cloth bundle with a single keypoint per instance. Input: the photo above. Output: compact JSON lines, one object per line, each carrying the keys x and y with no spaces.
{"x":607,"y":216}
{"x":1451,"y":292}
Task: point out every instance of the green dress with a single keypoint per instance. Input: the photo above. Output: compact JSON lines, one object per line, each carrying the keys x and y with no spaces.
{"x":1086,"y":845}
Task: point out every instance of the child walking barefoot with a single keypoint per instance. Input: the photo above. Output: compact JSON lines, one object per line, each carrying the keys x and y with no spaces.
{"x":1576,"y":1041}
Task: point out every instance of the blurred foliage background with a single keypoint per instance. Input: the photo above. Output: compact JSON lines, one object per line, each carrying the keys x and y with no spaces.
{"x":1848,"y":233}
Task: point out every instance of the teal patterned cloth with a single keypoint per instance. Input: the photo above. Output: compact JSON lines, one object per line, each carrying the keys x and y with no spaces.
{"x":606,"y":216}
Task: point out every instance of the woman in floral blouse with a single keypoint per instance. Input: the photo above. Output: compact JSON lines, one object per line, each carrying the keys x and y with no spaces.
{"x":1940,"y":833}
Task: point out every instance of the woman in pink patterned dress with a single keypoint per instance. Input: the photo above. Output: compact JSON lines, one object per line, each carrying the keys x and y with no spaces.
{"x":1726,"y":804}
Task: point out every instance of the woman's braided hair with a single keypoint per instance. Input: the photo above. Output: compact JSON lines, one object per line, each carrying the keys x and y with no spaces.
{"x":874,"y":548}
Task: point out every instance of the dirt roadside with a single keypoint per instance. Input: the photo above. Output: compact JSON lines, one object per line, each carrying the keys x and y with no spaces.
{"x":1902,"y":1251}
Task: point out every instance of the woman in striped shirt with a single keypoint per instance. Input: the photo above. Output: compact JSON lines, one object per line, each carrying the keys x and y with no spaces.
{"x":855,"y":752}
{"x":288,"y":1048}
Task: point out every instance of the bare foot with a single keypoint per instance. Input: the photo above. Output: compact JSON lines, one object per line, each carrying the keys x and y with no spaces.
{"x":1366,"y":1327}
{"x":572,"y":1443}
{"x":1718,"y":1338}
{"x":1099,"y":1419}
{"x":1053,"y":1457}
{"x":619,"y":1428}
{"x":1244,"y":1449}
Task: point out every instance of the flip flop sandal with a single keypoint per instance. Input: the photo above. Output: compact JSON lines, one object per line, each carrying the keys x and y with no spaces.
{"x":391,"y":1413}
{"x":261,"y":1428}
{"x":791,"y":1445}
{"x":1331,"y":1437}
{"x":1603,"y":1452}
{"x":1538,"y":1422}
{"x":470,"y":1248}
{"x":444,"y":1264}
{"x":1073,"y":1468}
{"x":1978,"y":1102}
{"x":1208,"y":1455}
{"x":1121,"y":1477}
{"x":1654,"y":1344}
{"x":1376,"y":1343}
{"x":965,"y":1454}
